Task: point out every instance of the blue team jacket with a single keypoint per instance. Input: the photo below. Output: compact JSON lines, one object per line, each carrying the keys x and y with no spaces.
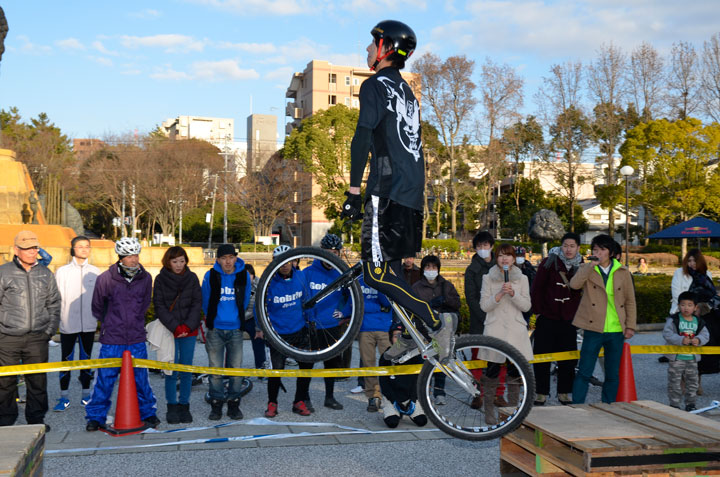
{"x":375,"y":319}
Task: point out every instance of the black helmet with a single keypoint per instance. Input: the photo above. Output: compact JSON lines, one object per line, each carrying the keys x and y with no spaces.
{"x":400,"y":36}
{"x":331,"y":241}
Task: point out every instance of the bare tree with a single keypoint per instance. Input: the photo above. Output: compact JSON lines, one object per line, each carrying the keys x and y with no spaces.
{"x":559,"y":102}
{"x":502,"y":95}
{"x":710,"y":78}
{"x":646,"y":80}
{"x":447,"y":87}
{"x":606,"y":87}
{"x":683,"y":80}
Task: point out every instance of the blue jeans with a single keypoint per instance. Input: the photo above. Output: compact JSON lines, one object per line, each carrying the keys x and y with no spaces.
{"x":592,"y":342}
{"x":224,"y":349}
{"x":184,"y":352}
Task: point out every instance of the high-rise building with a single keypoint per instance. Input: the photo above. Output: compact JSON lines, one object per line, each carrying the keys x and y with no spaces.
{"x":320,"y":86}
{"x":262,"y":140}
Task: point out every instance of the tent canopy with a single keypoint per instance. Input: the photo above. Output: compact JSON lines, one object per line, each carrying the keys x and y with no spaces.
{"x":698,"y":227}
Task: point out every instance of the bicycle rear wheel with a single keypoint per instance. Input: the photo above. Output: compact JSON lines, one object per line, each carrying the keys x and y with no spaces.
{"x":460,"y":416}
{"x":318,"y":342}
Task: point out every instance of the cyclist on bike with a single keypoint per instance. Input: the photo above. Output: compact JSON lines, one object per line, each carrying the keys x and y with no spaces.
{"x":328,"y":312}
{"x":389,"y":129}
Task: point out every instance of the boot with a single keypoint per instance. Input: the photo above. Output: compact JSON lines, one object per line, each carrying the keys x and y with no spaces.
{"x":216,"y":406}
{"x":173,"y":414}
{"x":489,"y":387}
{"x":513,"y":390}
{"x":184,"y":411}
{"x":233,"y":410}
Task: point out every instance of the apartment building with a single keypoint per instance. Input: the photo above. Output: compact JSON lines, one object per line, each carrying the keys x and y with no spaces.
{"x":262,"y":140}
{"x":320,"y":86}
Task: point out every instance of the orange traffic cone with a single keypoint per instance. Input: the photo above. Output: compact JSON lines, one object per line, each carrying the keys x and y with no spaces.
{"x":127,"y":410}
{"x":626,"y":389}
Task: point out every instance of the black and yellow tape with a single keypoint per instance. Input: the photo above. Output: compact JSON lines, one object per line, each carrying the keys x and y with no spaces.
{"x":316,"y":373}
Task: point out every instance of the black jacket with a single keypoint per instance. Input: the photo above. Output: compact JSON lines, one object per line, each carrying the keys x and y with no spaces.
{"x":473,"y":286}
{"x":187,"y":308}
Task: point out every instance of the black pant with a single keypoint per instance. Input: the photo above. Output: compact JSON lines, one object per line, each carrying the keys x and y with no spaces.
{"x":493,"y":370}
{"x":67,"y":347}
{"x":322,"y":339}
{"x":278,"y":362}
{"x":386,"y":277}
{"x":554,"y":336}
{"x":29,"y":348}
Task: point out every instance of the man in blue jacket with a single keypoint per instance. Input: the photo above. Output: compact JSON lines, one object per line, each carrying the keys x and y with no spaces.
{"x":120,"y":299}
{"x":328,"y":313}
{"x":226,"y":295}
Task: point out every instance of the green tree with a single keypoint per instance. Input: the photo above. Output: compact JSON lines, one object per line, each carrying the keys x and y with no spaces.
{"x":195,"y":229}
{"x":530,"y":197}
{"x":322,"y":145}
{"x":522,"y":140}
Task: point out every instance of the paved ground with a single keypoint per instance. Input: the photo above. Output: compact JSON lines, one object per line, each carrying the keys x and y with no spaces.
{"x":421,"y":451}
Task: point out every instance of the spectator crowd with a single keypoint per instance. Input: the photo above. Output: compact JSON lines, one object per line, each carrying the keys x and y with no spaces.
{"x":572,"y":297}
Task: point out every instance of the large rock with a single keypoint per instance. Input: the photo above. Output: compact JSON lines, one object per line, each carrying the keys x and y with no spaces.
{"x":545,"y":225}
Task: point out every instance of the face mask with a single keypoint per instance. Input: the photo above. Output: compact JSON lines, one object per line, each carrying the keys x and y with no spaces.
{"x":430,"y":274}
{"x":520,"y":260}
{"x":483,"y":253}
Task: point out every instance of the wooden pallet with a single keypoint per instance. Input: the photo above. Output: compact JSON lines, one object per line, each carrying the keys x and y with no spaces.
{"x":642,"y":438}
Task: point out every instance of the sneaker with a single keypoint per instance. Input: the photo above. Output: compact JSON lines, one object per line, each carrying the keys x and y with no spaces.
{"x":373,"y":404}
{"x":440,"y":400}
{"x":540,"y":400}
{"x":85,"y":400}
{"x":300,"y":408}
{"x":391,"y":416}
{"x":690,"y":407}
{"x":309,"y":405}
{"x":215,"y":410}
{"x":233,"y":409}
{"x":357,"y":390}
{"x":53,"y":344}
{"x":290,"y":362}
{"x":333,"y":404}
{"x":418,"y":415}
{"x":92,"y":425}
{"x":62,"y":404}
{"x":271,"y":410}
{"x":399,"y":348}
{"x":444,"y":337}
{"x":152,"y":421}
{"x":564,"y":399}
{"x":663,"y":359}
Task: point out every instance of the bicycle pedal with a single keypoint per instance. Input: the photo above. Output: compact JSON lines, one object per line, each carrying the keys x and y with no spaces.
{"x":407,"y":356}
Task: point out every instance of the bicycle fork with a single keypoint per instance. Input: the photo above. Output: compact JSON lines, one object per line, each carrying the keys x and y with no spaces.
{"x":455,"y":369}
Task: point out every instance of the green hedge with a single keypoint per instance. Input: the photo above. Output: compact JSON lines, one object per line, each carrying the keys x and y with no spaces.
{"x":652,"y":294}
{"x":451,"y":245}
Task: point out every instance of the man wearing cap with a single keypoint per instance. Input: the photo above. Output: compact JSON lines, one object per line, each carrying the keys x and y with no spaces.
{"x":225,"y":297}
{"x":29,"y":316}
{"x":120,"y":299}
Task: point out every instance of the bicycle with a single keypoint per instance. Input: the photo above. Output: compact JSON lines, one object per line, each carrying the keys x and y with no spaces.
{"x":460,"y":416}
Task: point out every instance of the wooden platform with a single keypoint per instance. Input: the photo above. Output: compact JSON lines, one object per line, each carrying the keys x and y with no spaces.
{"x":642,"y":438}
{"x":21,"y":450}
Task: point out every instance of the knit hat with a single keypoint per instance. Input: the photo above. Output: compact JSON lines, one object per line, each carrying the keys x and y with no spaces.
{"x":225,"y":249}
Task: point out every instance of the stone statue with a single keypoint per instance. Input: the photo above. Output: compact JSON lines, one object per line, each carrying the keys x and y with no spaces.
{"x":26,"y":214}
{"x":545,"y":225}
{"x":34,"y":206}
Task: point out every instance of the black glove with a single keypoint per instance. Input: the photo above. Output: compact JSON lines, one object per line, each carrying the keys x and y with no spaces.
{"x":352,"y":207}
{"x":437,"y":302}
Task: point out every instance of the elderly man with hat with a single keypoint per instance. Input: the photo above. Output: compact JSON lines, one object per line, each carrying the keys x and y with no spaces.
{"x":29,"y":315}
{"x":225,"y":297}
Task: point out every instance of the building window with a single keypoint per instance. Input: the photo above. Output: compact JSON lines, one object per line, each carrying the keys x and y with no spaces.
{"x":355,"y":103}
{"x":347,"y":81}
{"x":332,"y":99}
{"x":347,"y":101}
{"x":356,"y":81}
{"x":332,"y":78}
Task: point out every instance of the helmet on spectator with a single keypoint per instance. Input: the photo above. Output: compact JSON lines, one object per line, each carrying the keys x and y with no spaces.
{"x":279,"y":250}
{"x":127,"y":246}
{"x":331,"y":241}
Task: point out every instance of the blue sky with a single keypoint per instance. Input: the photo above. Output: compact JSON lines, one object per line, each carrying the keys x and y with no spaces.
{"x":98,"y":67}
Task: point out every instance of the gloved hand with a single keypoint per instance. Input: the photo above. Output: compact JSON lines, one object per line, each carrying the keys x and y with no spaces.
{"x":352,"y":207}
{"x":337,"y":314}
{"x":437,"y":302}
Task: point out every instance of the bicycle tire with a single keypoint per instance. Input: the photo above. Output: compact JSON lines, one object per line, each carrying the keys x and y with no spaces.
{"x":457,"y":418}
{"x":245,"y":387}
{"x":309,"y":352}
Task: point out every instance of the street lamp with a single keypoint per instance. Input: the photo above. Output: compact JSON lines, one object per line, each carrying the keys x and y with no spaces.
{"x":627,"y":171}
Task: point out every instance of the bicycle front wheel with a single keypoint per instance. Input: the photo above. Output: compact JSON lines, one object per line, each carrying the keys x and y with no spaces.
{"x":321,"y":337}
{"x":464,"y":414}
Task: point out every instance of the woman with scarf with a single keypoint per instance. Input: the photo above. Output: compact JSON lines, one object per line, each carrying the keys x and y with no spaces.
{"x":555,"y":304}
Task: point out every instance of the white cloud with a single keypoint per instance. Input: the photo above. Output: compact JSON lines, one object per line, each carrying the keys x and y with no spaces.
{"x":101,"y":48}
{"x":253,"y":7}
{"x":258,"y":48}
{"x":131,"y":72}
{"x":167,"y":73}
{"x":101,"y":60}
{"x":284,"y":73}
{"x":364,"y":6}
{"x":30,"y":48}
{"x":145,"y":14}
{"x":222,"y":70}
{"x":171,"y":43}
{"x":70,"y":44}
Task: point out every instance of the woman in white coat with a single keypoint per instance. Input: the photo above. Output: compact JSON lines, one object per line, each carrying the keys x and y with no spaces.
{"x":682,"y":278}
{"x":505,"y":296}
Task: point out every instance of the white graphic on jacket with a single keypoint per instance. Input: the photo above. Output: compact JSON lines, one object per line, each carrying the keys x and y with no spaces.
{"x":407,"y":114}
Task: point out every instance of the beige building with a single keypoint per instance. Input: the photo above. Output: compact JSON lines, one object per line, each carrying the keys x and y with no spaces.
{"x":320,"y":86}
{"x":262,"y":140}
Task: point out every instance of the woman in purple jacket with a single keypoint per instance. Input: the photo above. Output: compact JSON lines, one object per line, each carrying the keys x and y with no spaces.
{"x":120,"y":300}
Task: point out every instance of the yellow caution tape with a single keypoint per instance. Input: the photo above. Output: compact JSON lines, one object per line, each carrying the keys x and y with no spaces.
{"x":315,"y":373}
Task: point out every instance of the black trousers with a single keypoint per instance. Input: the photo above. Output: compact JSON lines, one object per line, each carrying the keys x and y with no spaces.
{"x":29,"y":348}
{"x":278,"y":362}
{"x":67,"y":346}
{"x":554,"y":336}
{"x":323,"y":339}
